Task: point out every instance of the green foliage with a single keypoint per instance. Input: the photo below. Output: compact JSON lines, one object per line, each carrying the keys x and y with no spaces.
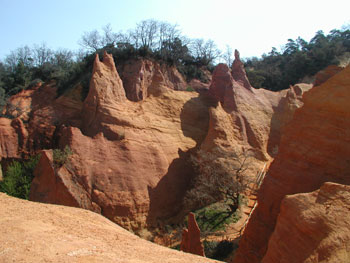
{"x":177,"y":247}
{"x":189,"y":88}
{"x":192,"y":70}
{"x":77,"y":73}
{"x":219,"y":250}
{"x":24,"y":67}
{"x":2,"y":99}
{"x":276,"y":71}
{"x":60,"y":157}
{"x":18,"y":178}
{"x":215,"y":217}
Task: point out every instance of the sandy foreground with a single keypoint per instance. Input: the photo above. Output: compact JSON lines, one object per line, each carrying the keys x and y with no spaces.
{"x":36,"y":232}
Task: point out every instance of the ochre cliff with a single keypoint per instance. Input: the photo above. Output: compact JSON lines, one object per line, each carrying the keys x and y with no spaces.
{"x":10,"y":142}
{"x":128,"y":156}
{"x":106,"y":94}
{"x":315,"y":148}
{"x":245,"y":119}
{"x":130,"y":159}
{"x":36,"y":232}
{"x":312,"y":227}
{"x":144,"y":77}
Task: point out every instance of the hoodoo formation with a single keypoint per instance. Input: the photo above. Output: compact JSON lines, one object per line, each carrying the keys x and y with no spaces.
{"x":191,"y":241}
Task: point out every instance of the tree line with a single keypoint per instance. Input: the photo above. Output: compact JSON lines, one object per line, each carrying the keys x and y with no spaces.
{"x":299,"y":59}
{"x":161,"y":39}
{"x":164,"y":42}
{"x":152,"y":39}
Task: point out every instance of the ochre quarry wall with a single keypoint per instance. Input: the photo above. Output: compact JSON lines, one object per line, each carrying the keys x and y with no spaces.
{"x":314,"y":149}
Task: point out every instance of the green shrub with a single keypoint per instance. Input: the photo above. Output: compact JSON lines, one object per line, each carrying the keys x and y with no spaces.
{"x":34,"y":83}
{"x":189,"y":88}
{"x":218,"y":250}
{"x":2,"y":99}
{"x":215,"y":217}
{"x":18,"y":178}
{"x":60,"y":157}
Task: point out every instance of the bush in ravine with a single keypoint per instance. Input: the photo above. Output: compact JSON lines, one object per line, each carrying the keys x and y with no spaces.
{"x":221,"y":181}
{"x":60,"y":157}
{"x":219,"y":250}
{"x":18,"y":178}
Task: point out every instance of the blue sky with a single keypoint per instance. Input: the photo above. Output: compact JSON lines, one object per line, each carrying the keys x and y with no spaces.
{"x":251,"y":26}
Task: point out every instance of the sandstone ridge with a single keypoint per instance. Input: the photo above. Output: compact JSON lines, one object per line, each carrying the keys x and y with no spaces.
{"x":313,"y":150}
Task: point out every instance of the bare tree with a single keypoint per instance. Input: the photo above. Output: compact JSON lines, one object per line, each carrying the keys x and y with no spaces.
{"x":167,"y":33}
{"x":108,"y":36}
{"x":91,"y":40}
{"x":41,"y":54}
{"x":150,"y":34}
{"x":22,"y":55}
{"x":111,"y":38}
{"x":204,"y":51}
{"x":219,"y":180}
{"x":145,"y":34}
{"x":227,"y":56}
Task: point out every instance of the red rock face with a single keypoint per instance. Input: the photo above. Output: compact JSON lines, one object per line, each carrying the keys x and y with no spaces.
{"x":9,"y":140}
{"x":42,"y":113}
{"x":198,"y":86}
{"x":128,"y":176}
{"x":191,"y":238}
{"x":128,"y":156}
{"x":312,"y":227}
{"x":130,"y":160}
{"x":254,"y":118}
{"x":313,"y":150}
{"x":238,"y":72}
{"x":144,"y":77}
{"x":106,"y":90}
{"x":61,"y":191}
{"x":223,"y":84}
{"x":325,"y":74}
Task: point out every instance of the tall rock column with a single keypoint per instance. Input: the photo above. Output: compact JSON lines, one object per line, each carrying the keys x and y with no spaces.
{"x":238,"y":72}
{"x":105,"y":92}
{"x":191,"y":238}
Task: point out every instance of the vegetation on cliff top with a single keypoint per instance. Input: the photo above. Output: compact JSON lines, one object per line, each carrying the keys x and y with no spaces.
{"x":299,"y":59}
{"x":165,"y":43}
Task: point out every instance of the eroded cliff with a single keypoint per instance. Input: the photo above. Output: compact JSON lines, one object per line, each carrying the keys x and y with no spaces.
{"x":312,"y":227}
{"x":130,"y":160}
{"x":314,"y":149}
